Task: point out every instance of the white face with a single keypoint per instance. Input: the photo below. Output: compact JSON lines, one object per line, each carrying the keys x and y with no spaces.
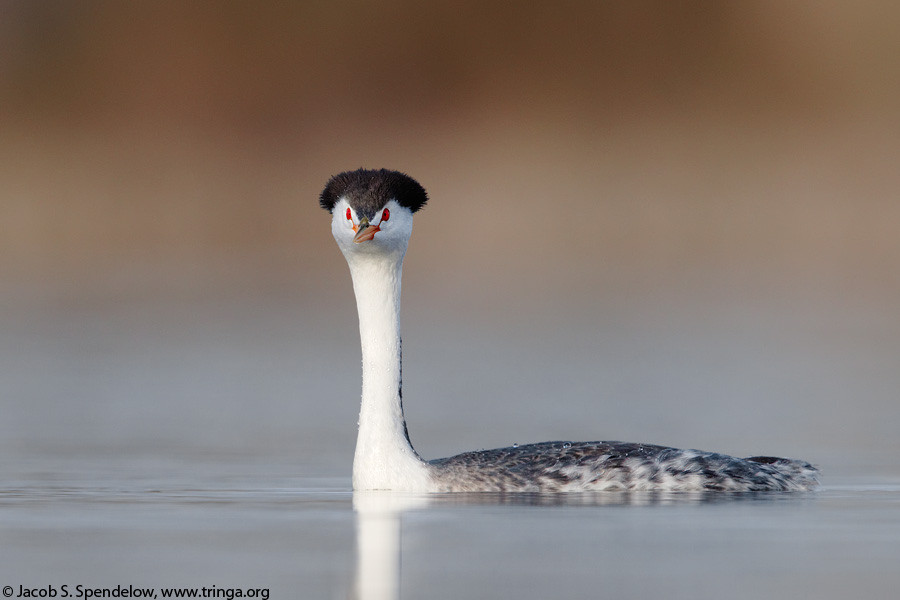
{"x":392,"y":227}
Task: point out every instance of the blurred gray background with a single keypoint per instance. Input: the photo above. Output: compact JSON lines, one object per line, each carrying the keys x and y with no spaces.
{"x":662,"y":222}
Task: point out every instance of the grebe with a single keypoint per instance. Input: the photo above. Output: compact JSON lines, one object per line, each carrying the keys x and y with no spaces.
{"x":372,"y":217}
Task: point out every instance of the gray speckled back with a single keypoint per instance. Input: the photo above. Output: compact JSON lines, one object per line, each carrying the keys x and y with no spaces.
{"x":585,"y":466}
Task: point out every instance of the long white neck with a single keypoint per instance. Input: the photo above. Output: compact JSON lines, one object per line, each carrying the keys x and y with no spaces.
{"x":385,"y":459}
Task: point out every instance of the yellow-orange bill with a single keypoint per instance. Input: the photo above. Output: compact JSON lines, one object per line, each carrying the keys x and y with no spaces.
{"x":365,"y":233}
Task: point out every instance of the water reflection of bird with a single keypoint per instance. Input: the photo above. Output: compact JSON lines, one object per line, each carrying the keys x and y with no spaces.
{"x":372,"y":217}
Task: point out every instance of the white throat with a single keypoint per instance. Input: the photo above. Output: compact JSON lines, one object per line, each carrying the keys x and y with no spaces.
{"x":384,"y":459}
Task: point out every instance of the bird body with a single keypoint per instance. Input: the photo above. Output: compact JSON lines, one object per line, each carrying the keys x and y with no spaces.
{"x":372,"y":214}
{"x":584,"y":466}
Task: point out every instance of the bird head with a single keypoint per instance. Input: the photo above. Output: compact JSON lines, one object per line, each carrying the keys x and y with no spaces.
{"x":372,"y":210}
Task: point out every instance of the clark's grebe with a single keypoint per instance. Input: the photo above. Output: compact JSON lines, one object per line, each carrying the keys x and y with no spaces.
{"x":372,"y":217}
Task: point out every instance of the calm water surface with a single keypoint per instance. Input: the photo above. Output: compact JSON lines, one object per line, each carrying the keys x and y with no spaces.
{"x":204,"y":439}
{"x":211,"y":523}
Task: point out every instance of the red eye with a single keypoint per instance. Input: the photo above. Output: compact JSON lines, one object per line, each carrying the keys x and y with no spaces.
{"x":385,"y":215}
{"x":348,"y":214}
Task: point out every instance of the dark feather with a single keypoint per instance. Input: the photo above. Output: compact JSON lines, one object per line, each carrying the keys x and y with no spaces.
{"x":570,"y":466}
{"x":368,"y":191}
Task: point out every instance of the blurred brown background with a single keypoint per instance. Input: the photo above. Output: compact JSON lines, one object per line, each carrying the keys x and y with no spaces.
{"x":683,"y":215}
